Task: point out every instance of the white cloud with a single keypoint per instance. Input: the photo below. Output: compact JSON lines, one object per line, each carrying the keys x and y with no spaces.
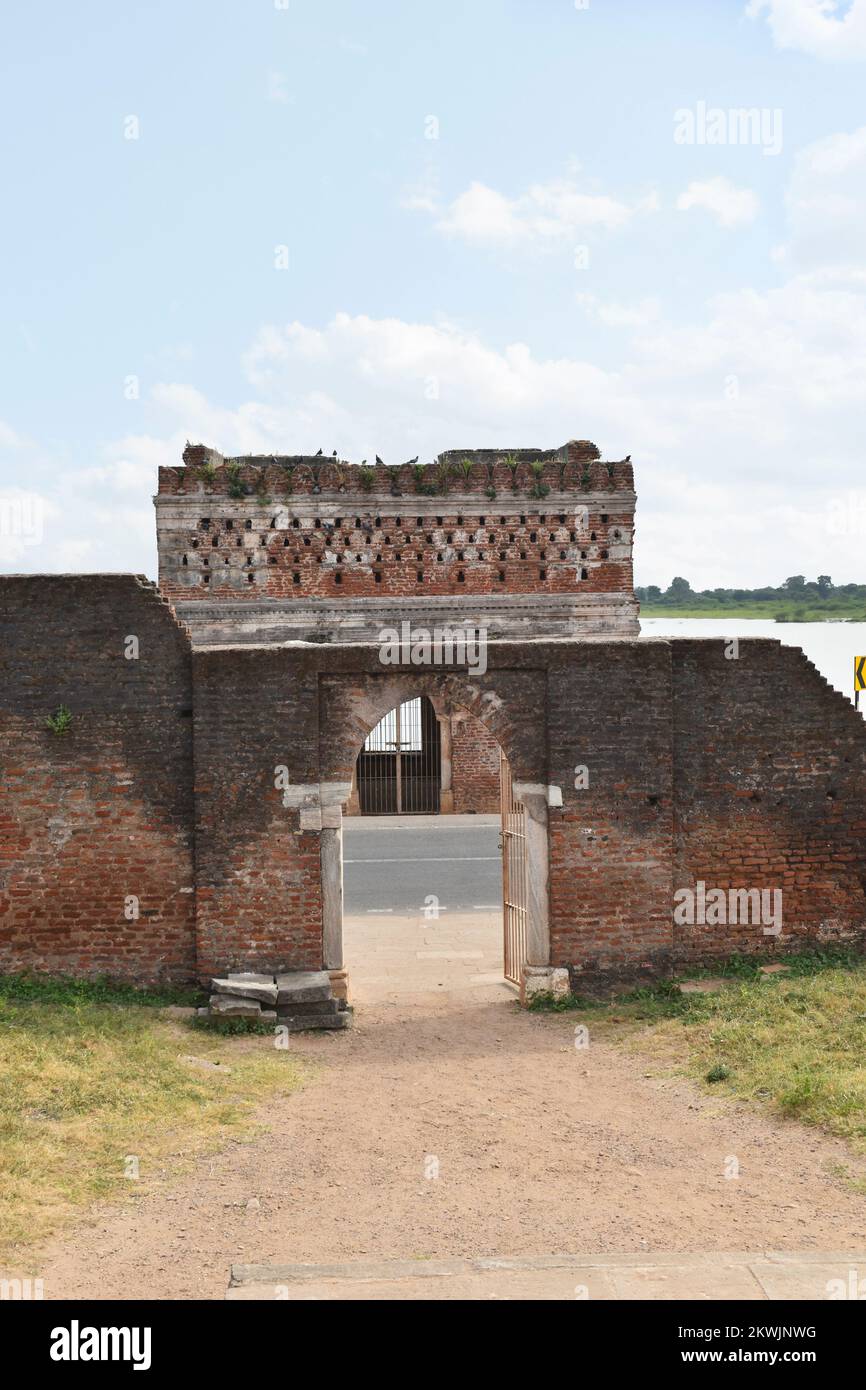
{"x":826,"y":200}
{"x":548,"y":214}
{"x":615,"y":315}
{"x":731,"y":206}
{"x":822,"y":28}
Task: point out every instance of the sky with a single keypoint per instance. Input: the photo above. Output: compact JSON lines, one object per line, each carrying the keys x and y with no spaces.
{"x":274,"y":226}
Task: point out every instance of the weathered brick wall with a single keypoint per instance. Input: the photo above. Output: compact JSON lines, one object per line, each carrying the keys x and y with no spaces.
{"x":745,"y":773}
{"x":609,"y":728}
{"x":555,"y":522}
{"x":257,"y":860}
{"x":770,"y":792}
{"x":474,"y":766}
{"x":104,"y":812}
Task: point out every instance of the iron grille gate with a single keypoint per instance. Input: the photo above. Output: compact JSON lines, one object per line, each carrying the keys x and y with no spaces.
{"x":399,"y":765}
{"x":513,"y":820}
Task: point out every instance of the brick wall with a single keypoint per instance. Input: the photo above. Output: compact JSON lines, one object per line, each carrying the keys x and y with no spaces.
{"x":474,"y":766}
{"x":609,"y":712}
{"x":257,"y":862}
{"x":103,"y":813}
{"x":744,"y":773}
{"x":769,"y":779}
{"x":555,"y":522}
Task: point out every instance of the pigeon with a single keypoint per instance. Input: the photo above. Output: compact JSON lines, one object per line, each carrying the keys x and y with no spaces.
{"x":411,"y":461}
{"x":381,"y":462}
{"x":334,"y":454}
{"x":627,"y":458}
{"x":318,"y":452}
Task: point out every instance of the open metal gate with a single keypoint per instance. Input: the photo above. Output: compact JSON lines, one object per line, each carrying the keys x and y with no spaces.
{"x":513,"y":838}
{"x":399,"y":767}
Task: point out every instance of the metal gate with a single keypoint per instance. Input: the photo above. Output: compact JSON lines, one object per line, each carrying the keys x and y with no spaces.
{"x":399,"y":765}
{"x":513,"y":839}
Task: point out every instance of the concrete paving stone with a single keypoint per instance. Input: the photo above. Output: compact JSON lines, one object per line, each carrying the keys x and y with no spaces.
{"x":573,"y":1278}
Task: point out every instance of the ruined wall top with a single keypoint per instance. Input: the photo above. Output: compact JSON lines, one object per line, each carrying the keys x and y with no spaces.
{"x":575,"y":466}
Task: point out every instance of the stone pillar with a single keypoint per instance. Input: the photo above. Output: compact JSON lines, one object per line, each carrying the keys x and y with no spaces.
{"x":534,"y":798}
{"x":332,"y":796}
{"x":446,"y":792}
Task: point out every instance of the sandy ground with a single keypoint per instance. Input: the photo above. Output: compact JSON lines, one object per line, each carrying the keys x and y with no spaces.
{"x":539,"y":1148}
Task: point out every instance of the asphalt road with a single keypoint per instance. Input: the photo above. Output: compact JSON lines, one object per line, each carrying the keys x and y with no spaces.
{"x":396,"y":862}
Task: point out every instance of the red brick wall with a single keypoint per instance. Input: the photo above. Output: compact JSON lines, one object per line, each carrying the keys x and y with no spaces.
{"x":259,"y":901}
{"x":104,"y":812}
{"x":769,"y":779}
{"x":474,"y":766}
{"x":739,"y":773}
{"x":282,"y":540}
{"x":609,"y":711}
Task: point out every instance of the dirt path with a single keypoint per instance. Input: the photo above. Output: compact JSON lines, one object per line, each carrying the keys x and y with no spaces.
{"x":541,"y":1149}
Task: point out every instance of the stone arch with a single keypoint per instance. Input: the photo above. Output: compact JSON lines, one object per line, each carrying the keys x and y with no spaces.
{"x":351,"y":706}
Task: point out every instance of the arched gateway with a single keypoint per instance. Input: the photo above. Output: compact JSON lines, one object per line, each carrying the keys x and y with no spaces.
{"x":188,"y":821}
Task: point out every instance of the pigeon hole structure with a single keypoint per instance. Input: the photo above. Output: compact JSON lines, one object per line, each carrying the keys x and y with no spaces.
{"x":185,"y":822}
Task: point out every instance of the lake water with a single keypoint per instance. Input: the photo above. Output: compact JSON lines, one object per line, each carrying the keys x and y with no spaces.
{"x":832,"y":646}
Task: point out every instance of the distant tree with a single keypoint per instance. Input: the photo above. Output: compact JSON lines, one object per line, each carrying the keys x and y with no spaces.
{"x":795,"y":585}
{"x":825,"y":585}
{"x":653,"y":593}
{"x":679,"y":589}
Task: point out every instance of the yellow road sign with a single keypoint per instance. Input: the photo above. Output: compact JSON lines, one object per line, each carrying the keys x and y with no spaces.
{"x":860,"y":673}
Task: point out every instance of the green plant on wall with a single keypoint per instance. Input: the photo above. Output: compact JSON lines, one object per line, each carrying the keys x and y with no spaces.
{"x":366,"y":477}
{"x":512,"y":463}
{"x":233,"y":473}
{"x":586,"y":478}
{"x":60,"y":721}
{"x":419,"y":478}
{"x":444,"y":474}
{"x":466,"y":466}
{"x":207,"y":471}
{"x":262,"y":487}
{"x":539,"y":488}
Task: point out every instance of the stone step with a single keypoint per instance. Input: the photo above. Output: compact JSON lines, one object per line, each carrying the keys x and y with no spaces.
{"x":302,"y":1023}
{"x":312,"y":1009}
{"x":260,"y":987}
{"x":303,"y":986}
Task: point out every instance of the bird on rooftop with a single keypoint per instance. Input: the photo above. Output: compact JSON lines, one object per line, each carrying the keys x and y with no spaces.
{"x":380,"y":461}
{"x":318,"y":451}
{"x":627,"y":458}
{"x":414,"y":460}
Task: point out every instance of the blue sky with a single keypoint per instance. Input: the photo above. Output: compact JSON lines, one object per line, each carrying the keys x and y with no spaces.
{"x":553,"y":263}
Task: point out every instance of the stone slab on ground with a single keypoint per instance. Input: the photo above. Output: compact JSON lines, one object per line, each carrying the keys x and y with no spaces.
{"x":302,"y":1023}
{"x":303,"y":987}
{"x":260,"y":987}
{"x":230,"y":1006}
{"x":666,"y":1276}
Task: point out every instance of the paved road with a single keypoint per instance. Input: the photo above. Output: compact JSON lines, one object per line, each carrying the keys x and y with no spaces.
{"x":395,"y":862}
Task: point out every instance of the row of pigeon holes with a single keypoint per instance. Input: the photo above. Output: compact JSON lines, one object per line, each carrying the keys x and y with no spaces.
{"x":542,"y":534}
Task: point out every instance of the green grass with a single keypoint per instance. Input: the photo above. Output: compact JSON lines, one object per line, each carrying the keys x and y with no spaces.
{"x":794,"y":1043}
{"x":91,"y":1073}
{"x":780,"y":611}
